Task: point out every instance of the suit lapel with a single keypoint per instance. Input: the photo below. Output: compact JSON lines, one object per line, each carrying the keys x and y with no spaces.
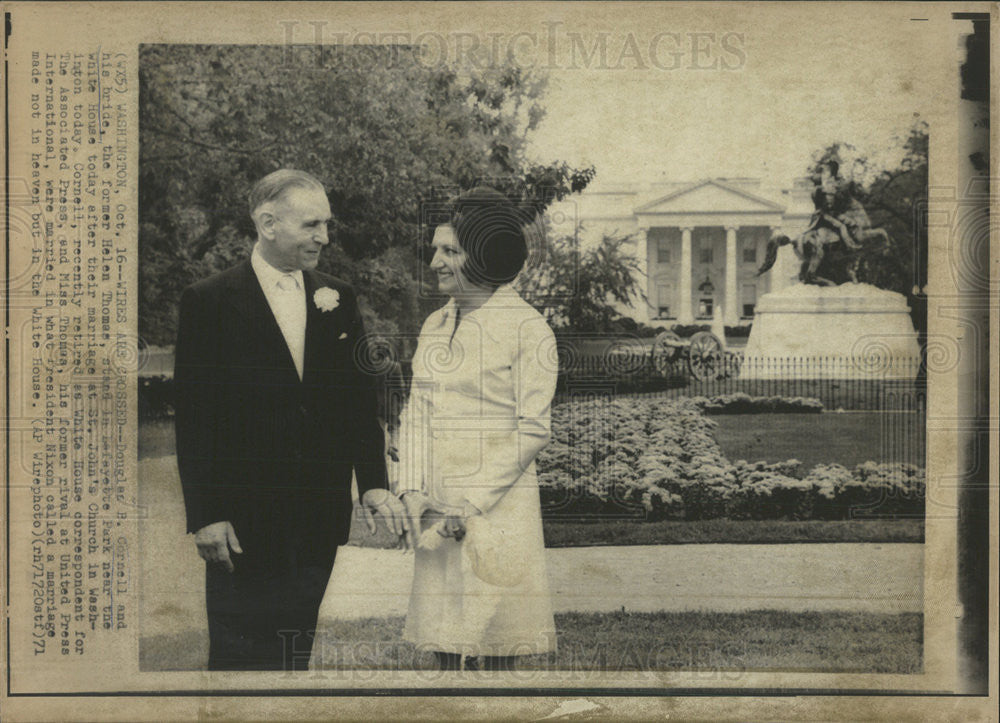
{"x":249,"y":300}
{"x":315,"y":322}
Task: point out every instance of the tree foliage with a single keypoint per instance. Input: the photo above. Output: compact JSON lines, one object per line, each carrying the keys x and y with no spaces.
{"x":896,"y":200}
{"x":583,"y":290}
{"x":385,"y":134}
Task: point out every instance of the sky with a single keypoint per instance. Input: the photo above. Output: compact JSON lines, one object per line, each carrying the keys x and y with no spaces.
{"x":797,"y":81}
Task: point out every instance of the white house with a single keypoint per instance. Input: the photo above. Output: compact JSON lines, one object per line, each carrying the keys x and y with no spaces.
{"x":699,"y":244}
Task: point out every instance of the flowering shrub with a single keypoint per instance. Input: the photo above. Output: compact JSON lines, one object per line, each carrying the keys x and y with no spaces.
{"x":890,"y":488}
{"x":658,"y":459}
{"x":770,"y":491}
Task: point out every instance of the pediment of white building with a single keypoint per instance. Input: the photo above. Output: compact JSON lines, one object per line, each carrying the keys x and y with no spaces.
{"x":709,"y":196}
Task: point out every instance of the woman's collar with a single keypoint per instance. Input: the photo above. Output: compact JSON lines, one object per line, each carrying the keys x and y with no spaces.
{"x":499,"y":298}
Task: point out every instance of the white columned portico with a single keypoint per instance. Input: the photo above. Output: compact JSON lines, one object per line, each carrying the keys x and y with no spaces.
{"x":732,"y":316}
{"x":684,"y":313}
{"x":710,"y":206}
{"x":647,"y":282}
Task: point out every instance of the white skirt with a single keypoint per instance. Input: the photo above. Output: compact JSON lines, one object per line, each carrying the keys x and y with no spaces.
{"x":453,"y":611}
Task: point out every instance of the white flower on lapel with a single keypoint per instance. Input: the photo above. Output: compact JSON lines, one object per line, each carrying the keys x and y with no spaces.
{"x":326,"y":299}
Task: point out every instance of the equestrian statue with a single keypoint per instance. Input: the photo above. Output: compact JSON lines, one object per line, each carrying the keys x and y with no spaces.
{"x":839,"y":236}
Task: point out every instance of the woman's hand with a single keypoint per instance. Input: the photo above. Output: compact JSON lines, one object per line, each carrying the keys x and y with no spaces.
{"x":454,"y":524}
{"x":416,"y":503}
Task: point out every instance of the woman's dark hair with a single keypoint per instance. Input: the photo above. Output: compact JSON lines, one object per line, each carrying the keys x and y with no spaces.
{"x":490,"y":229}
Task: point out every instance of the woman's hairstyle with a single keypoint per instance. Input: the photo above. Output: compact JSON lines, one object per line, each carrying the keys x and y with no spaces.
{"x":490,"y":229}
{"x":274,"y":185}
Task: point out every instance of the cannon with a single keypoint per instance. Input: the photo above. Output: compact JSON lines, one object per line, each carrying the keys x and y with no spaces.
{"x":704,"y":355}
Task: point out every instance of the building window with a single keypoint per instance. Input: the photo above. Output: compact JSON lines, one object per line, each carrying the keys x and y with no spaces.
{"x":749,"y":299}
{"x":705,"y":254}
{"x":750,"y":252}
{"x":663,"y":252}
{"x":664,"y":300}
{"x":706,"y":298}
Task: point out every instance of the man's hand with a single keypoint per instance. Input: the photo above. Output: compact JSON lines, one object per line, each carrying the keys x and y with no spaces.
{"x":214,"y":542}
{"x":385,"y":503}
{"x":414,"y":504}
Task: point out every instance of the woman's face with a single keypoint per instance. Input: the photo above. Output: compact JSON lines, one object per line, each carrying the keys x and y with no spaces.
{"x":447,"y":261}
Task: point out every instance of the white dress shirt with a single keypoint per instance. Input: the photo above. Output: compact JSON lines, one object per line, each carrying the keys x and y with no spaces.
{"x":286,"y":295}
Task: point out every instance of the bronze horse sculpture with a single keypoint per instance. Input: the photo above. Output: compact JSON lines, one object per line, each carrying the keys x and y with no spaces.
{"x":826,"y":259}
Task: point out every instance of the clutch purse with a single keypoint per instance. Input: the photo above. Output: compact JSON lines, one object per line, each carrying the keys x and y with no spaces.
{"x":492,"y":554}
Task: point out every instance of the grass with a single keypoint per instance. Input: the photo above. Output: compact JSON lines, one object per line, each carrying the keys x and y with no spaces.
{"x":851,"y":394}
{"x":727,"y":644}
{"x":696,"y":532}
{"x":766,"y":640}
{"x":847,"y":438}
{"x":610,"y":532}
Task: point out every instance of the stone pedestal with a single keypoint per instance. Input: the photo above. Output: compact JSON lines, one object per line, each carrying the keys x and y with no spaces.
{"x":852,"y":331}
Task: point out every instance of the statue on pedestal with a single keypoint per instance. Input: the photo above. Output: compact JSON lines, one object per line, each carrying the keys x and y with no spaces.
{"x":838,"y":237}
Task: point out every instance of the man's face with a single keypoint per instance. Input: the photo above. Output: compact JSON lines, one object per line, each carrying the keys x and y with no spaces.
{"x":296,"y":232}
{"x":828,"y":181}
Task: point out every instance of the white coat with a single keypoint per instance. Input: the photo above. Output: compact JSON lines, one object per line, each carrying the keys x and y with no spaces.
{"x":480,"y":391}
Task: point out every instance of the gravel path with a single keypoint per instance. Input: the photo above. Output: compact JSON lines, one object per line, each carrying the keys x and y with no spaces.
{"x":886,"y":578}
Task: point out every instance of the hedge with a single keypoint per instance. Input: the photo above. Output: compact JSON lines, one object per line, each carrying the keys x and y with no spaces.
{"x":742,"y":403}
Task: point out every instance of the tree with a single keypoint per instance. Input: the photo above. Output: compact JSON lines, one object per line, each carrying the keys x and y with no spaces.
{"x":583,"y":290}
{"x":896,"y":200}
{"x":385,"y":134}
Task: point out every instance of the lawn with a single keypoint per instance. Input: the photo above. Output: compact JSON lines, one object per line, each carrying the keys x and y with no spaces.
{"x":695,"y":532}
{"x":765,"y":640}
{"x":846,"y":438}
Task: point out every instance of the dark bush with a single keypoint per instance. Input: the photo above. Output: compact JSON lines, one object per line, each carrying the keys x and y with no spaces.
{"x":738,"y":332}
{"x":156,"y":397}
{"x":686,"y":330}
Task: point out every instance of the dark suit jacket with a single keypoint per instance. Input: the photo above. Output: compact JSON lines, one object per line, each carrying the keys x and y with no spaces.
{"x":255,"y":445}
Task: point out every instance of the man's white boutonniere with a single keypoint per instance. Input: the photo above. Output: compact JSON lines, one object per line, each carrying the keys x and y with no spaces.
{"x":326,"y":299}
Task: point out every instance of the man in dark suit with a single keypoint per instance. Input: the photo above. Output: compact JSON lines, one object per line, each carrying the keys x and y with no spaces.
{"x":273,"y":414}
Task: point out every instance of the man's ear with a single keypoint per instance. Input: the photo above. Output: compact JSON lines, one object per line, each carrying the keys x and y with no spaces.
{"x":265,"y":221}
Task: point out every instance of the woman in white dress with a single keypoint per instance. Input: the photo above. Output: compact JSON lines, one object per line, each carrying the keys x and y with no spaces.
{"x":484,"y":374}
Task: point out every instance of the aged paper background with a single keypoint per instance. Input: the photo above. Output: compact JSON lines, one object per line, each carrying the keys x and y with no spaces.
{"x":103,"y":681}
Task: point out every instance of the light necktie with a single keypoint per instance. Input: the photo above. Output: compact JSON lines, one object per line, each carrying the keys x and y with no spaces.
{"x":290,"y":315}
